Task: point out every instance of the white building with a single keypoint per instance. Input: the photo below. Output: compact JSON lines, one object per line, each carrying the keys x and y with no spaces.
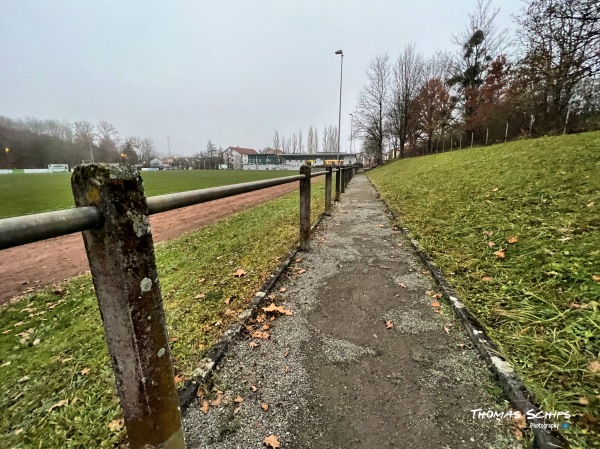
{"x":237,"y":157}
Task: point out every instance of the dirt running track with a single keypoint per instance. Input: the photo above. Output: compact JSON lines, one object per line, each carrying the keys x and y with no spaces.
{"x":42,"y":263}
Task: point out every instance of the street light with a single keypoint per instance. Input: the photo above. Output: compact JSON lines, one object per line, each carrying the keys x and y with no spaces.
{"x":341,"y":53}
{"x":351,"y":136}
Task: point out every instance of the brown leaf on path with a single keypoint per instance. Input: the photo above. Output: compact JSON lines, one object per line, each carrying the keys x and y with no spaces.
{"x":253,"y":388}
{"x":260,"y":335}
{"x":205,"y":406}
{"x":287,"y":312}
{"x":435,"y":304}
{"x":500,"y":253}
{"x":200,"y":393}
{"x":487,"y":279}
{"x":227,"y":301}
{"x":253,"y":344}
{"x":264,"y":406}
{"x":520,"y":420}
{"x":179,"y":378}
{"x":238,"y":399}
{"x":58,"y":404}
{"x":512,"y":239}
{"x":84,"y":371}
{"x":301,"y":271}
{"x":116,"y":424}
{"x":389,"y":324}
{"x":402,"y":285}
{"x":273,"y":308}
{"x":594,"y":366}
{"x":272,"y":441}
{"x":217,"y":401}
{"x":239,"y":273}
{"x":447,"y":330}
{"x":430,"y":293}
{"x":282,"y":290}
{"x":266,"y":327}
{"x":298,"y":260}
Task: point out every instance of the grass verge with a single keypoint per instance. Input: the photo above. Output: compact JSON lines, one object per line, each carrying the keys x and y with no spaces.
{"x":26,"y":193}
{"x":57,"y":387}
{"x":538,"y":296}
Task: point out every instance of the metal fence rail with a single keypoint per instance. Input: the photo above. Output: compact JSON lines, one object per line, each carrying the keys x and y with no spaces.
{"x":112,"y":212}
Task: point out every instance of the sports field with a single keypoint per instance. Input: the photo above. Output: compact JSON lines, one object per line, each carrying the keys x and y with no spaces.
{"x":22,"y":193}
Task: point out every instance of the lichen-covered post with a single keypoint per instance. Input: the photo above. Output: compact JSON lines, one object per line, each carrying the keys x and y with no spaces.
{"x":343,"y":183}
{"x":305,"y":209}
{"x":121,"y":258}
{"x":338,"y":182}
{"x":328,"y":191}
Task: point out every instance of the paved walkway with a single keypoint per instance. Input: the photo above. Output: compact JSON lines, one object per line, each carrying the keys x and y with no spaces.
{"x":333,"y":375}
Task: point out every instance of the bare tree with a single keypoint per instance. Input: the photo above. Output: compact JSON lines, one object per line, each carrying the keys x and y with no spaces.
{"x":315,"y":140}
{"x":310,"y":143}
{"x":300,"y":144}
{"x":146,"y":150}
{"x":372,"y":106}
{"x":294,"y":144}
{"x":276,"y":141}
{"x":408,"y":75}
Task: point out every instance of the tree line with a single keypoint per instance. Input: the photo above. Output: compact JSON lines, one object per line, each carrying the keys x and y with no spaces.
{"x":295,"y":144}
{"x":490,"y":89}
{"x":35,"y":143}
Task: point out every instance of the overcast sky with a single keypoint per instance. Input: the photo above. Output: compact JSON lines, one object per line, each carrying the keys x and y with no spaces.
{"x":233,"y":72}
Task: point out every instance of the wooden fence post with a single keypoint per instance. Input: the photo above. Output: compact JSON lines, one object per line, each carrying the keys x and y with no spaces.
{"x":305,"y":209}
{"x":121,"y":258}
{"x":343,"y":183}
{"x":328,"y":177}
{"x":338,"y":182}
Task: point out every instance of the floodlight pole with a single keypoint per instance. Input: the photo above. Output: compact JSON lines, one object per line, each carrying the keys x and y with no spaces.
{"x":341,"y":53}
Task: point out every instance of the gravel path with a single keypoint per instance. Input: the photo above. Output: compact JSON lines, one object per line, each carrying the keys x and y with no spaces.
{"x":332,"y":374}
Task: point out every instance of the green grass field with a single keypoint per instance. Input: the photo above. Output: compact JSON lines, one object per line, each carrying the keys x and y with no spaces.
{"x":52,"y":345}
{"x":540,"y":302}
{"x":22,"y":193}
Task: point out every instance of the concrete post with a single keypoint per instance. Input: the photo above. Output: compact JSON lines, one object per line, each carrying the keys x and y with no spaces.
{"x":305,"y":209}
{"x":328,"y":177}
{"x":121,"y":258}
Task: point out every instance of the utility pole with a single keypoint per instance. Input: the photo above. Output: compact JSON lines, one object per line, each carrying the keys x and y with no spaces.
{"x":169,"y":146}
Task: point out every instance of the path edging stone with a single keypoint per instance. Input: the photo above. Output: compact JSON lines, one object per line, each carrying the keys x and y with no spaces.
{"x":507,"y":378}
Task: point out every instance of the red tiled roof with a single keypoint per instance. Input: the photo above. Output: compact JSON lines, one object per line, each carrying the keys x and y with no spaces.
{"x":243,"y":150}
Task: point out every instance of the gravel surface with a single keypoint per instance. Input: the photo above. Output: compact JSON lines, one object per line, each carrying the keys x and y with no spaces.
{"x":333,"y":374}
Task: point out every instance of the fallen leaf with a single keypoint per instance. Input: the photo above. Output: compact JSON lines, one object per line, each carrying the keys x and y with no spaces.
{"x":178,"y":378}
{"x":435,"y":304}
{"x":238,"y":399}
{"x":227,"y":301}
{"x":200,"y":393}
{"x":58,"y":404}
{"x":402,"y":285}
{"x":236,"y":410}
{"x":274,"y":308}
{"x":590,"y":204}
{"x":495,"y":189}
{"x":520,"y":421}
{"x":389,"y":325}
{"x":301,"y":271}
{"x":287,"y":312}
{"x":596,"y":277}
{"x":430,"y":293}
{"x":217,"y":401}
{"x":380,"y":226}
{"x":205,"y":406}
{"x":488,"y":233}
{"x":253,"y":388}
{"x":253,"y":344}
{"x":512,"y":239}
{"x":584,"y":401}
{"x":447,"y":330}
{"x":36,"y":342}
{"x":490,"y":244}
{"x":200,"y":296}
{"x":264,"y":406}
{"x":594,"y":366}
{"x":239,"y":273}
{"x":18,"y":431}
{"x":286,"y":369}
{"x":298,"y":260}
{"x":201,"y":280}
{"x":116,"y":424}
{"x":260,"y":335}
{"x":272,"y":441}
{"x":500,"y":253}
{"x":84,"y":371}
{"x":518,"y":434}
{"x":487,"y":279}
{"x":282,"y":290}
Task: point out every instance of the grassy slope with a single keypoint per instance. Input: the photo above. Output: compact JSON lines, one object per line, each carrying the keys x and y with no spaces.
{"x":67,"y":323}
{"x":31,"y":193}
{"x":541,"y":304}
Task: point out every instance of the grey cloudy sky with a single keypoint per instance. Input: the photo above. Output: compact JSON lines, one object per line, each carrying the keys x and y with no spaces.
{"x":232,"y":72}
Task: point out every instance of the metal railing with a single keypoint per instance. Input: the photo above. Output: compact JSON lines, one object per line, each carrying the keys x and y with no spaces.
{"x":112,"y":212}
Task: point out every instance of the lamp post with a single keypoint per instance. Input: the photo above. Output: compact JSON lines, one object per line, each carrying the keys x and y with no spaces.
{"x":341,"y":53}
{"x":351,"y":126}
